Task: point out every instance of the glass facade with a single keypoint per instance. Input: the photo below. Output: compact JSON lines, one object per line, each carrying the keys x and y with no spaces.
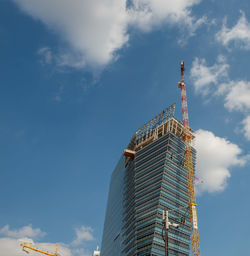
{"x":112,"y":233}
{"x":141,"y":187}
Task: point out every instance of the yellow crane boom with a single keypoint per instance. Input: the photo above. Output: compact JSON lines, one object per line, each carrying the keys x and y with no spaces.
{"x":189,"y":167}
{"x":29,"y":246}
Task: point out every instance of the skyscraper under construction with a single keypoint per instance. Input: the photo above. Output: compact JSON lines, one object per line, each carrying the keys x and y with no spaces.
{"x":150,"y":176}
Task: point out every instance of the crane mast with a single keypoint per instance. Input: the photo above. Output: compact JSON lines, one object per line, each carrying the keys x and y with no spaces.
{"x":189,"y":167}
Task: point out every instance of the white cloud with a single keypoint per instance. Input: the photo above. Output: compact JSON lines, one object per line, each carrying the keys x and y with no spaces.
{"x":10,"y":247}
{"x":239,"y":34}
{"x":83,"y":234}
{"x":95,"y":30}
{"x":80,"y":252}
{"x":204,"y":76}
{"x":215,"y":157}
{"x":236,"y":93}
{"x":237,"y":96}
{"x":46,"y":55}
{"x":246,"y":127}
{"x":148,"y":14}
{"x":60,"y":59}
{"x":26,"y":231}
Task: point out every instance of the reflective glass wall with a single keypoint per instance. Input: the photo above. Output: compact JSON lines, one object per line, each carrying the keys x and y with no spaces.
{"x":112,"y":232}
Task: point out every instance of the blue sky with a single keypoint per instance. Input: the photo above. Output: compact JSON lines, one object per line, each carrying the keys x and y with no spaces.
{"x":79,"y":77}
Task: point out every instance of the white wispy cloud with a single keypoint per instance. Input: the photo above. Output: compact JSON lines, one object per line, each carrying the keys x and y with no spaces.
{"x":61,"y":58}
{"x":80,"y":252}
{"x":246,"y":127}
{"x":26,"y":231}
{"x":11,"y":247}
{"x":239,"y":34}
{"x":237,"y":95}
{"x":148,"y":14}
{"x":204,"y":76}
{"x":214,"y":81}
{"x":215,"y":158}
{"x":95,"y":30}
{"x":83,"y":234}
{"x":46,"y":55}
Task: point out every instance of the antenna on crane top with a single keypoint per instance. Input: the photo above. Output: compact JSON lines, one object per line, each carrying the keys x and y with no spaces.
{"x":182,"y":74}
{"x":182,"y":71}
{"x":182,"y":86}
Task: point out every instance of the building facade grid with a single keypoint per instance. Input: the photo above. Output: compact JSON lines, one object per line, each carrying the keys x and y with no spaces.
{"x":140,"y":189}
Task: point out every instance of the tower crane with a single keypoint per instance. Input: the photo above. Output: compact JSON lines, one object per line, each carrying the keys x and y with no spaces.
{"x":189,"y":167}
{"x":29,"y":246}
